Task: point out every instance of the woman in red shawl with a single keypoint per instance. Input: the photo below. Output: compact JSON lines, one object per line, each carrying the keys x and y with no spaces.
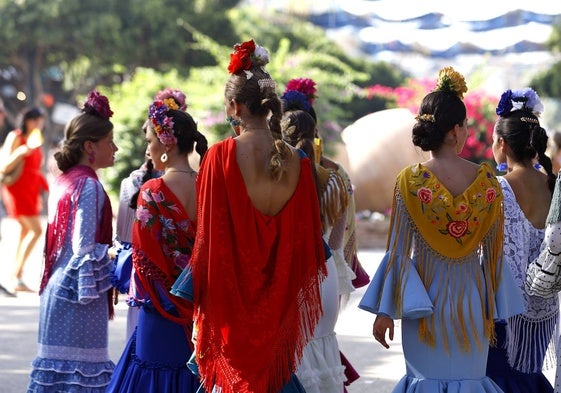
{"x":76,"y":301}
{"x":163,"y":233}
{"x":258,"y":259}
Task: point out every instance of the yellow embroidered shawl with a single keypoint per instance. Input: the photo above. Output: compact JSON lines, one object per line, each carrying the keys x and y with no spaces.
{"x":452,"y":226}
{"x":434,"y":225}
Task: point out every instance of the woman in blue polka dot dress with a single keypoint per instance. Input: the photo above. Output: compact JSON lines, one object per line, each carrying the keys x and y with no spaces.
{"x":75,"y":287}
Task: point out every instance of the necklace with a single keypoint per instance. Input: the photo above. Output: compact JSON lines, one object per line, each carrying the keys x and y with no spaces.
{"x":191,"y":171}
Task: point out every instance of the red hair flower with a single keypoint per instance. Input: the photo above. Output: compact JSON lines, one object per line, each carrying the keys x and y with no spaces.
{"x":241,"y":58}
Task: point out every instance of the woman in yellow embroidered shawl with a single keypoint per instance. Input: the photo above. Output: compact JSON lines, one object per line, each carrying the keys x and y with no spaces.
{"x":442,"y":273}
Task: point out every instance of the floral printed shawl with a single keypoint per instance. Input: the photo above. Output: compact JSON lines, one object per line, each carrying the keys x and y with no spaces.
{"x":162,"y":241}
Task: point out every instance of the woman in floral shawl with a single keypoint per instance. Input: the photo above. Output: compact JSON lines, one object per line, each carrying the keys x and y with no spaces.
{"x":163,"y":234}
{"x":442,"y":273}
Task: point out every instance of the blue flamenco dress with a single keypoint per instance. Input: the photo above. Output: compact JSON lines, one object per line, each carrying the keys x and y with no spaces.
{"x":443,"y":276}
{"x":156,"y":355}
{"x":73,"y":351}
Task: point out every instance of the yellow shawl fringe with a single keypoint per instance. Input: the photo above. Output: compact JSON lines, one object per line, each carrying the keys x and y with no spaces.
{"x":334,"y":197}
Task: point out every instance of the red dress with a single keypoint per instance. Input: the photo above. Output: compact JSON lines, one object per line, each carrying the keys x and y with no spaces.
{"x":23,"y":198}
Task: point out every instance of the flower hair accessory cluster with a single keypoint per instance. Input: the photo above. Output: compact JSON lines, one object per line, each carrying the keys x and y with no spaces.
{"x":296,"y":100}
{"x":525,"y":99}
{"x":306,"y":86}
{"x":173,"y":99}
{"x":161,"y":122}
{"x":97,"y":105}
{"x":247,"y":55}
{"x":452,"y":81}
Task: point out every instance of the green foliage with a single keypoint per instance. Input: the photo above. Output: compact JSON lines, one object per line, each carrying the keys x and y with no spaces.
{"x":129,"y":102}
{"x":548,"y":83}
{"x":130,"y":49}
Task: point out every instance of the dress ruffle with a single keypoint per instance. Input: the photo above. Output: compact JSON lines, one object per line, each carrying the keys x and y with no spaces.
{"x":320,"y":369}
{"x":51,"y":375}
{"x":183,"y":286}
{"x":416,"y":301}
{"x":421,"y":385}
{"x":140,"y":376}
{"x":122,"y":267}
{"x":86,"y":277}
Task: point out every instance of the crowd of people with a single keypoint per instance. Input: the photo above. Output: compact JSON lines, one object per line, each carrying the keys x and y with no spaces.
{"x":235,"y":272}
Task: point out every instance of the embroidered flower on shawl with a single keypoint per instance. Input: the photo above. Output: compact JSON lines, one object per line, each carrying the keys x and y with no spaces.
{"x":457,"y":229}
{"x":158,"y":197}
{"x":424,"y":194}
{"x":454,"y":218}
{"x":182,"y":259}
{"x":490,"y":195}
{"x":143,"y":215}
{"x":157,"y":201}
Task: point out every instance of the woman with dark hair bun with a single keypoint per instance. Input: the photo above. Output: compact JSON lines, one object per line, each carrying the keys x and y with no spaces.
{"x":76,"y":292}
{"x":516,"y":362}
{"x":23,"y":197}
{"x":443,"y":273}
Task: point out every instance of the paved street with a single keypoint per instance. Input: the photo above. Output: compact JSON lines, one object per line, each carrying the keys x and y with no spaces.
{"x":379,"y":368}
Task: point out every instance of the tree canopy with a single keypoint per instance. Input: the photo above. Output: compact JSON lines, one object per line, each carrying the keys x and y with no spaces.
{"x":130,"y":49}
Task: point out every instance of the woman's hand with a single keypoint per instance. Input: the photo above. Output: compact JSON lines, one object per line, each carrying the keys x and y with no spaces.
{"x":381,"y":324}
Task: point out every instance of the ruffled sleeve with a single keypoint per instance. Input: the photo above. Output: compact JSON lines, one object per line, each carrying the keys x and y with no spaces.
{"x":508,"y":296}
{"x":396,"y":289}
{"x":87,"y":275}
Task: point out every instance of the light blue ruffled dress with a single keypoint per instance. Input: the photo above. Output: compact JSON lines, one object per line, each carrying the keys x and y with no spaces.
{"x":73,"y":351}
{"x":456,"y":362}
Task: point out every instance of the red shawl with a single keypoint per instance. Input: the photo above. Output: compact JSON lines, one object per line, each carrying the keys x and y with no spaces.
{"x":70,"y":184}
{"x":162,"y":241}
{"x":256,"y":278}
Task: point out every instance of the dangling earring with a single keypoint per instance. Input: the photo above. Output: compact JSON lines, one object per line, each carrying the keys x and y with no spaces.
{"x":91,"y":157}
{"x":502,"y":167}
{"x":233,"y":122}
{"x":164,"y":157}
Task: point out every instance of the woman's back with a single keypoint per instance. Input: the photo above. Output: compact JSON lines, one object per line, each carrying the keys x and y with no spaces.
{"x":532,"y":194}
{"x":268,"y":195}
{"x":456,"y":175}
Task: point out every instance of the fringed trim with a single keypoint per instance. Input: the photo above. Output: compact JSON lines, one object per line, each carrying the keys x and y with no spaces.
{"x":405,"y":239}
{"x":220,"y":375}
{"x":334,"y":198}
{"x":531,"y":343}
